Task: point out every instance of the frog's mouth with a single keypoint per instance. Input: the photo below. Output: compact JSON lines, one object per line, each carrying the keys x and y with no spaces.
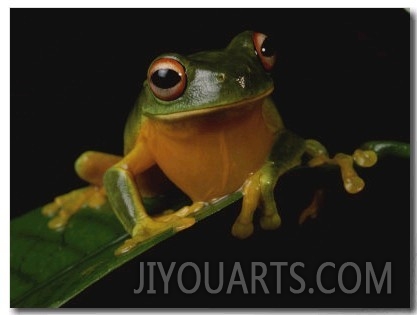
{"x":249,"y":102}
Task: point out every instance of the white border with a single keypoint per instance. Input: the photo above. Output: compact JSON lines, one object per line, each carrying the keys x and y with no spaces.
{"x":5,"y":105}
{"x":213,"y":3}
{"x":5,"y":156}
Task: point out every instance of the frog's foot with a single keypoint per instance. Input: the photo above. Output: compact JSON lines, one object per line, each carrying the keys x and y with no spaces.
{"x":312,"y":210}
{"x":149,"y":227}
{"x":351,"y":180}
{"x":186,"y":211}
{"x":258,"y":190}
{"x":270,"y":222}
{"x":65,"y":206}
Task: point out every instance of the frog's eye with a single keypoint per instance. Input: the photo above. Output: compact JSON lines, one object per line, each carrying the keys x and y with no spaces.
{"x":265,"y":50}
{"x":167,"y":79}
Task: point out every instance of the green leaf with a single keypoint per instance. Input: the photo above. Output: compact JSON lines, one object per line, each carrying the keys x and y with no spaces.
{"x":48,"y":268}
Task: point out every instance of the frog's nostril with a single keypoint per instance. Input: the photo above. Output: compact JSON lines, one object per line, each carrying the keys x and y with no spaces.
{"x":220,"y":77}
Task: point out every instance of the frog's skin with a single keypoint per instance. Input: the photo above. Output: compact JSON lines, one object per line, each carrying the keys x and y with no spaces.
{"x":209,"y":126}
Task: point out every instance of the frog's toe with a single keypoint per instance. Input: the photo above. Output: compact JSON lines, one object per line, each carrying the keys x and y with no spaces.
{"x":166,"y":216}
{"x":270,"y":222}
{"x":97,"y":198}
{"x":242,"y":230}
{"x":351,"y":180}
{"x":128,"y":245}
{"x":50,"y":209}
{"x":188,"y":210}
{"x":58,"y":222}
{"x":171,"y":215}
{"x":365,"y":158}
{"x":353,"y":184}
{"x":63,"y":215}
{"x":65,"y":206}
{"x":145,"y":233}
{"x":182,"y":223}
{"x":150,"y":227}
{"x":154,"y":225}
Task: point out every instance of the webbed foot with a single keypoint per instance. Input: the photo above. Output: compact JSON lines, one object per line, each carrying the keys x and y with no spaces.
{"x":183,"y":212}
{"x":147,"y":227}
{"x":65,"y":206}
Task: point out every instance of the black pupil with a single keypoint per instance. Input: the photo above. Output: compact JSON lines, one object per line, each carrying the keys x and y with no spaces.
{"x":268,"y":49}
{"x":165,"y":78}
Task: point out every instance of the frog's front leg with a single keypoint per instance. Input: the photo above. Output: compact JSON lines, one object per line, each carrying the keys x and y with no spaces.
{"x":126,"y":201}
{"x":351,"y":180}
{"x":258,"y":189}
{"x":243,"y":226}
{"x":90,"y":166}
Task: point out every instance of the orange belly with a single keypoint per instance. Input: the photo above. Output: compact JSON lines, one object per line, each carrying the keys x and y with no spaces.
{"x":210,"y":156}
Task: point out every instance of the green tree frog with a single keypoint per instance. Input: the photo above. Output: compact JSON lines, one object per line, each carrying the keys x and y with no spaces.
{"x":205,"y":122}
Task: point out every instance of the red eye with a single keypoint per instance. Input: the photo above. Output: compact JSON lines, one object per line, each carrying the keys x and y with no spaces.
{"x":167,"y":79}
{"x":265,"y":50}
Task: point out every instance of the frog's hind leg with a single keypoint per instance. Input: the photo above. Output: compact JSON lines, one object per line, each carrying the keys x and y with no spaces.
{"x":259,"y":188}
{"x":91,"y":167}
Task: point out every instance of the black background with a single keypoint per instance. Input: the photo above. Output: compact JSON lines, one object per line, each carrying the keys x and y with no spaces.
{"x":342,"y":77}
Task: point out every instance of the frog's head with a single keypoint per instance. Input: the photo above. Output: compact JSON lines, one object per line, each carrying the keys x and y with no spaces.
{"x":181,"y":86}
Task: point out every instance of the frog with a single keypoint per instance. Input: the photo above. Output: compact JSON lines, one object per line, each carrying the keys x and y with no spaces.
{"x":207,"y":124}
